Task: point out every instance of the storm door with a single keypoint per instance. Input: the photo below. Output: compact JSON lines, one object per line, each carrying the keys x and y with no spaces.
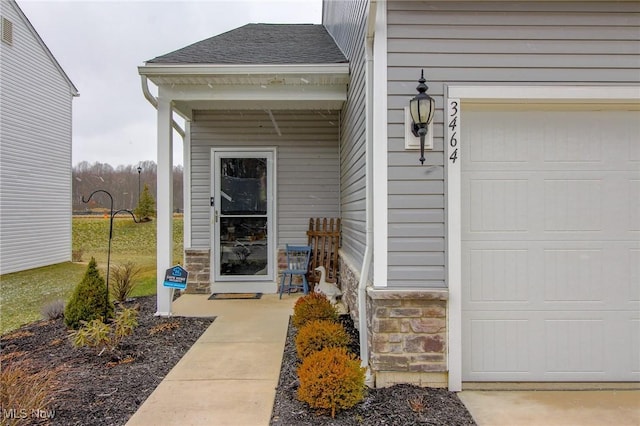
{"x":242,"y":208}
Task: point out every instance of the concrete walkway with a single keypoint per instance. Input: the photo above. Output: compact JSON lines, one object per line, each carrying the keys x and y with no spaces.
{"x":230,"y":374}
{"x":553,"y":408}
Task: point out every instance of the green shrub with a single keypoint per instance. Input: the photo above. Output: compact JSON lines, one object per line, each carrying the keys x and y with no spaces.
{"x":146,"y":206}
{"x":331,"y":379}
{"x":313,"y":306}
{"x":123,"y":280}
{"x":316,"y":335}
{"x":89,"y":300}
{"x":96,"y":334}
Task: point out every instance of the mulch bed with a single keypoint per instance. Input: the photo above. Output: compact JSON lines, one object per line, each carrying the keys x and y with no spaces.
{"x":399,"y":405}
{"x":107,"y":389}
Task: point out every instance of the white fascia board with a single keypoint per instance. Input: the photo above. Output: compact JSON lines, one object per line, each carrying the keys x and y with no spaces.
{"x":574,"y":94}
{"x":255,"y":93}
{"x":234,"y":69}
{"x":187,"y":107}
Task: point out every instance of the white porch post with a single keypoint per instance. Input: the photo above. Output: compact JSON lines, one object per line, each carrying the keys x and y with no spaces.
{"x":186,"y":183}
{"x":164,"y":201}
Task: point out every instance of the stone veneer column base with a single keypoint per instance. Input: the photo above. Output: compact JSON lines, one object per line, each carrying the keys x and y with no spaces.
{"x":407,"y":329}
{"x":198,"y":264}
{"x":408,"y":335}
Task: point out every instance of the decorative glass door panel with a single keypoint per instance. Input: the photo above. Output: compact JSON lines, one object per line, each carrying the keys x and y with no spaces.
{"x":242,"y":184}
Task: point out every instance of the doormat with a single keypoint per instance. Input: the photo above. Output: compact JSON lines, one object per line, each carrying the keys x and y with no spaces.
{"x":234,"y":296}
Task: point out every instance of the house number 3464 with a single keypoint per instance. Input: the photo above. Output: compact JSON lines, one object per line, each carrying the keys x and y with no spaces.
{"x":453,"y":122}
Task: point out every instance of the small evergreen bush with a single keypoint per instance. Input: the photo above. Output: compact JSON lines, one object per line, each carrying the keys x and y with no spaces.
{"x":123,"y":280}
{"x":331,"y":379}
{"x":316,"y":335}
{"x":89,"y":300}
{"x":146,"y":205}
{"x":313,"y":306}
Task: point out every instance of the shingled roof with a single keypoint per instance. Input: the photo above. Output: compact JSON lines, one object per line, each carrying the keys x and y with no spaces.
{"x":261,"y":44}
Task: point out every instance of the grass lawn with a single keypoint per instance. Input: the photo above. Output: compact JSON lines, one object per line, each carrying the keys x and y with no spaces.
{"x":23,"y":294}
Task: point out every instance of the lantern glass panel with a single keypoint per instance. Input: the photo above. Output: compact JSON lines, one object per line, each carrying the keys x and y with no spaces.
{"x":413,"y":109}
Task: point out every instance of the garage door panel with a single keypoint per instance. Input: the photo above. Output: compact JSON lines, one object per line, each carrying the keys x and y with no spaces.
{"x":551,"y":245}
{"x":574,"y":275}
{"x":574,"y":345}
{"x":500,"y":275}
{"x":497,"y":144}
{"x":498,"y":205}
{"x":499,"y":345}
{"x":634,"y":274}
{"x":589,"y":140}
{"x":572,"y":137}
{"x":634,"y":353}
{"x":634,"y":206}
{"x":586,"y":208}
{"x":542,"y":346}
{"x":573,"y":204}
{"x":551,"y":275}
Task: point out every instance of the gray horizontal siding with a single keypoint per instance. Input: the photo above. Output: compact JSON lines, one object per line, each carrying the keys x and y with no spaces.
{"x":35,"y":154}
{"x":346,"y":22}
{"x":483,"y":43}
{"x":307,"y":175}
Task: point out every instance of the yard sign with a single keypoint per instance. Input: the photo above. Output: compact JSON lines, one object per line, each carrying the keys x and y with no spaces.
{"x":176,"y":277}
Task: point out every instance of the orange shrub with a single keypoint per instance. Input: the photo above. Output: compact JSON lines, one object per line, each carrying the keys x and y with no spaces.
{"x":316,"y":335}
{"x":331,"y":379}
{"x":313,"y":306}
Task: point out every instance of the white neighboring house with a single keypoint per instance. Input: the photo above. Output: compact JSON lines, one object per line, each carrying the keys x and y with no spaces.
{"x":35,"y":148}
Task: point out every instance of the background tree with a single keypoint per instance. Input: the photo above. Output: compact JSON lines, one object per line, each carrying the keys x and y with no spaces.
{"x":146,"y":207}
{"x":121,"y":182}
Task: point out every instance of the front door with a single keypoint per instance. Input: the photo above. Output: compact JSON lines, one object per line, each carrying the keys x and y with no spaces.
{"x":242,"y":206}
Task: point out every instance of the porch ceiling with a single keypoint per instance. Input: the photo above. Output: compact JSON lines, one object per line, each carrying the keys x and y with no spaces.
{"x":214,"y":87}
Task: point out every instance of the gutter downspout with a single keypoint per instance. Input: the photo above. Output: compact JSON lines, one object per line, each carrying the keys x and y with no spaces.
{"x":368,"y":255}
{"x":153,"y":101}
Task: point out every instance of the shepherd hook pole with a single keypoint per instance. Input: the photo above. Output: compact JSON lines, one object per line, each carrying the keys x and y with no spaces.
{"x":112,"y":214}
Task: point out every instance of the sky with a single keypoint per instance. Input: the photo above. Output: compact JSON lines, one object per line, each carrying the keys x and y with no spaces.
{"x":100,"y":44}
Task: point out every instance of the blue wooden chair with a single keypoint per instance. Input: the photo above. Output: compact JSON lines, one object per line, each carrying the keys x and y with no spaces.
{"x":297,"y":264}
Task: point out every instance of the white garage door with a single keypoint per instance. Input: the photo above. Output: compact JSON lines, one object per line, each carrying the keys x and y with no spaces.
{"x":550,"y":250}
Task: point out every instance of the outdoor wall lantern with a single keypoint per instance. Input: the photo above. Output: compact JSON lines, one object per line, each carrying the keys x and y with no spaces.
{"x":421,"y":107}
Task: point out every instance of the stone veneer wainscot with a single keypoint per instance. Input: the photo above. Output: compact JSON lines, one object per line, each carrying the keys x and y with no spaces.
{"x":407,"y":331}
{"x":198,"y":264}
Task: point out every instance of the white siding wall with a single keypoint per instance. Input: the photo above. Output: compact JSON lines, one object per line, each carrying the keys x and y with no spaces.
{"x":346,"y":22}
{"x":35,"y":154}
{"x":483,"y":43}
{"x":307,"y":165}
